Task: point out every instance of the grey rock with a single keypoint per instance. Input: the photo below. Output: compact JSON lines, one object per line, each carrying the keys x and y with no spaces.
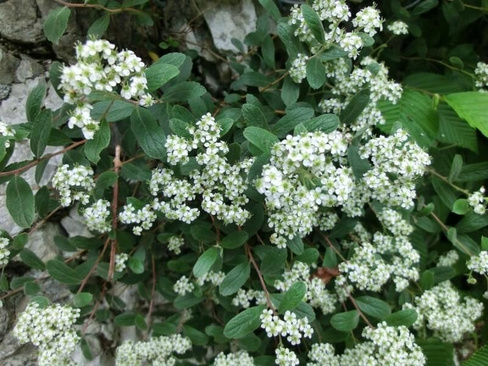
{"x":75,"y":225}
{"x":19,"y":22}
{"x":41,"y":241}
{"x":4,"y":91}
{"x":28,"y":69}
{"x":8,"y":65}
{"x":229,"y":20}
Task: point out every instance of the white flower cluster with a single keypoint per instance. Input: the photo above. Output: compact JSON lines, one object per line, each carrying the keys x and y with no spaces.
{"x":286,"y":357}
{"x":298,"y":69}
{"x":290,"y":326}
{"x":175,"y":243}
{"x":392,"y":220}
{"x":4,"y":252}
{"x":478,"y":201}
{"x":305,"y":175}
{"x":442,"y":311}
{"x":6,"y":131}
{"x":368,"y":74}
{"x":373,"y":264}
{"x":398,"y":27}
{"x":385,"y":346}
{"x":317,"y":295}
{"x":481,"y":76}
{"x":156,"y":351}
{"x":240,"y":358}
{"x":100,"y":67}
{"x":73,"y":184}
{"x":183,"y":285}
{"x":369,"y":20}
{"x":392,"y":156}
{"x":215,"y":278}
{"x":96,"y":216}
{"x":479,"y":263}
{"x":120,"y":261}
{"x":448,"y":259}
{"x":244,"y":297}
{"x":50,"y":329}
{"x":143,"y":217}
{"x":220,"y":184}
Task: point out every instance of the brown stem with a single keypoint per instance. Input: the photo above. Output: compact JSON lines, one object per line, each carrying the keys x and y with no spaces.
{"x":98,"y":7}
{"x":41,"y":159}
{"x":261,"y":279}
{"x":361,"y":314}
{"x":274,"y":82}
{"x":85,"y":280}
{"x":333,"y":247}
{"x":115,"y":197}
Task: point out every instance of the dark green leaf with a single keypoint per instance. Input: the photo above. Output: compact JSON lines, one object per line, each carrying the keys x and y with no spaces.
{"x":403,"y":317}
{"x":261,"y":138}
{"x":346,"y":321}
{"x":453,"y":130}
{"x":100,"y":141}
{"x":313,"y":21}
{"x":82,"y":299}
{"x":20,"y":202}
{"x":253,"y":116}
{"x":206,"y":261}
{"x":472,"y":222}
{"x":41,"y":129}
{"x":425,"y":6}
{"x":125,"y":319}
{"x":112,"y":110}
{"x":62,"y":272}
{"x":292,"y":118}
{"x":136,"y":265}
{"x":456,"y":167}
{"x":234,"y":240}
{"x":293,"y":297}
{"x":273,"y":262}
{"x":182,"y":92}
{"x":99,"y":26}
{"x":34,"y":101}
{"x":271,"y":9}
{"x":436,"y":352}
{"x":56,"y":23}
{"x":359,"y":166}
{"x":461,"y":206}
{"x":355,"y":107}
{"x":315,"y":73}
{"x":235,"y":279}
{"x":325,"y":123}
{"x":373,"y":306}
{"x":244,"y":323}
{"x":31,"y":259}
{"x":31,"y":288}
{"x":197,"y":338}
{"x":290,"y":91}
{"x":473,"y":172}
{"x":148,"y":133}
{"x":479,"y":358}
{"x":295,"y":245}
{"x":159,"y":74}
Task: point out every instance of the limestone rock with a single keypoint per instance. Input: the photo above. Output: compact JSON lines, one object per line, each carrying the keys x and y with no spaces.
{"x":41,"y":241}
{"x":229,"y":20}
{"x":8,"y":65}
{"x":20,"y":23}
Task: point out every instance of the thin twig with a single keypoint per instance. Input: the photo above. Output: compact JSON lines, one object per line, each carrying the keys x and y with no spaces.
{"x":115,"y":197}
{"x":261,"y":279}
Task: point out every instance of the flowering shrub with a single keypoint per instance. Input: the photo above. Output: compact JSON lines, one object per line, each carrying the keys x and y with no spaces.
{"x":329,"y":210}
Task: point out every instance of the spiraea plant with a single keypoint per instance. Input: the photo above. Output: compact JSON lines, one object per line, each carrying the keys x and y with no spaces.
{"x":328,"y":209}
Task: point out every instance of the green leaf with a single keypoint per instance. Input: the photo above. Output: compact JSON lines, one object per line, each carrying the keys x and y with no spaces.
{"x":244,"y":323}
{"x":268,"y":51}
{"x":373,"y":306}
{"x":325,"y":123}
{"x":346,"y":321}
{"x":159,"y":74}
{"x":63,"y":273}
{"x":99,"y":26}
{"x":148,"y":133}
{"x":437,"y":352}
{"x":56,"y":23}
{"x":131,"y":3}
{"x":355,"y":107}
{"x":315,"y":73}
{"x":473,"y":172}
{"x":292,"y":118}
{"x":425,"y":6}
{"x":19,"y":241}
{"x":20,"y":202}
{"x":273,"y":262}
{"x":197,"y":338}
{"x":34,"y":101}
{"x":125,"y":319}
{"x":234,"y":240}
{"x":179,"y":127}
{"x":187,"y":301}
{"x":471,"y":107}
{"x":314,"y":23}
{"x":446,"y":193}
{"x":261,"y":138}
{"x":453,"y":130}
{"x":182,"y":92}
{"x":82,"y":299}
{"x":287,"y":36}
{"x":359,"y":166}
{"x":100,"y":141}
{"x":461,"y":206}
{"x":479,"y":358}
{"x":403,"y":317}
{"x":253,"y":116}
{"x":295,"y":245}
{"x":271,"y":9}
{"x":456,"y":167}
{"x":31,"y":288}
{"x":293,"y":297}
{"x":235,"y":279}
{"x":31,"y":259}
{"x":472,"y":222}
{"x":41,"y":129}
{"x":206,"y":261}
{"x":414,"y":111}
{"x":112,"y":110}
{"x":251,"y":78}
{"x":136,"y":265}
{"x":290,"y":91}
